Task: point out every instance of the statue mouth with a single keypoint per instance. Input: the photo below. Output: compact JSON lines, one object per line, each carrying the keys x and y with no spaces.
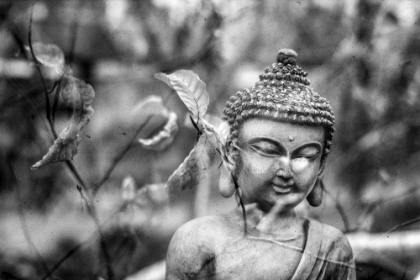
{"x":282,"y":188}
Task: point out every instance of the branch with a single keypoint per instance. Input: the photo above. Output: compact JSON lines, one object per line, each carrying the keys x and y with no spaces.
{"x":117,"y":159}
{"x":92,"y":212}
{"x":339,"y":208}
{"x":38,"y":68}
{"x":25,"y":226}
{"x":73,"y":32}
{"x":373,"y":206}
{"x":78,"y":246}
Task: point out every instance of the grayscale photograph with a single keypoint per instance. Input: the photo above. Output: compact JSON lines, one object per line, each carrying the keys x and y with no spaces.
{"x":209,"y":139}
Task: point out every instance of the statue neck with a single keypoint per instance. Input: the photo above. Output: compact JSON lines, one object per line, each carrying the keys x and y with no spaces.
{"x":279,"y":225}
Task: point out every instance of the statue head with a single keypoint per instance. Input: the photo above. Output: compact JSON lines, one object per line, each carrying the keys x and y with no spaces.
{"x":283,"y":95}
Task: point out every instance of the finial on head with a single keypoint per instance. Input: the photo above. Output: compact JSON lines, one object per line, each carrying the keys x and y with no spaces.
{"x":287,"y":56}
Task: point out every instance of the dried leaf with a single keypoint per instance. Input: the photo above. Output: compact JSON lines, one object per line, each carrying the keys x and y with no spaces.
{"x":128,"y":189}
{"x":164,"y":137}
{"x":76,"y":93}
{"x":193,"y":169}
{"x":65,"y":146}
{"x":152,"y":105}
{"x":189,"y":88}
{"x":49,"y":55}
{"x":223,"y":129}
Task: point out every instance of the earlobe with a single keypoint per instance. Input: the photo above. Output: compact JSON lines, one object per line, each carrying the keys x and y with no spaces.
{"x":321,"y":168}
{"x":315,"y":196}
{"x":226,"y":183}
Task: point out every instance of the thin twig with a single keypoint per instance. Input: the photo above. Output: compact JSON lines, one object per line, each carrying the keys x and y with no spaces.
{"x":371,"y":208}
{"x":410,"y":222}
{"x":91,"y":208}
{"x":24,"y":224}
{"x":241,"y":202}
{"x":78,"y":246}
{"x":73,"y":32}
{"x":57,"y":85}
{"x":76,"y":174}
{"x":92,"y":212}
{"x":24,"y":97}
{"x":38,"y":68}
{"x":117,"y":159}
{"x":63,"y":259}
{"x":339,"y":208}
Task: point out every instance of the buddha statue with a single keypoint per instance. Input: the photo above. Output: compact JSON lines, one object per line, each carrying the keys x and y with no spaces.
{"x":281,"y":132}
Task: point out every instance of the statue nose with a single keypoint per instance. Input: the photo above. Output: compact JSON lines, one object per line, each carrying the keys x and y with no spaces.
{"x":284,"y":168}
{"x":284,"y":173}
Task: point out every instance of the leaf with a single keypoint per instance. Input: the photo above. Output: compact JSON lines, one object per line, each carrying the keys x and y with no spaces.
{"x":76,"y":93}
{"x":223,"y":129}
{"x":164,"y":137}
{"x":190,"y":89}
{"x":152,"y":105}
{"x":193,"y":169}
{"x":65,"y":146}
{"x":49,"y":55}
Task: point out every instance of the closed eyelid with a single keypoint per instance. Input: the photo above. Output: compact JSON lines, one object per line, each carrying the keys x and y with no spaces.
{"x":314,"y":149}
{"x":267,"y":144}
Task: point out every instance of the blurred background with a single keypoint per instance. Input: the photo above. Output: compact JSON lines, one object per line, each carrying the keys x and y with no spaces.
{"x":363,"y":55}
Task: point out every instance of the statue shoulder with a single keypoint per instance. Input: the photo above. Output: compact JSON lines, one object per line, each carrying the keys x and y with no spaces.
{"x":192,"y":249}
{"x":333,"y":238}
{"x":200,"y":229}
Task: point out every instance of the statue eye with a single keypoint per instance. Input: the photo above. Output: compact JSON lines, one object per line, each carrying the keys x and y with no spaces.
{"x":307,"y":153}
{"x":265,"y":148}
{"x":308,"y":156}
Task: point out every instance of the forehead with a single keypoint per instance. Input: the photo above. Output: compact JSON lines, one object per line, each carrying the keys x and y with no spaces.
{"x":280,"y":131}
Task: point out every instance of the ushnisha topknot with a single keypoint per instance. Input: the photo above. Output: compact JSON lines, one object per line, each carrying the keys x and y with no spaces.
{"x":282,"y":93}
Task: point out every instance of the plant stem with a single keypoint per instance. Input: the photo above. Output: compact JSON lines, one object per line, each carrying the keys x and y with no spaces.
{"x":38,"y":68}
{"x":117,"y":159}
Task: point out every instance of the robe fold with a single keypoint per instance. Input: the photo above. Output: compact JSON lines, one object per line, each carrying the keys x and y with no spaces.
{"x":327,"y":255}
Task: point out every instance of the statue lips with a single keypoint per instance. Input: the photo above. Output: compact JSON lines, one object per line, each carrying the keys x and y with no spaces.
{"x":282,"y":186}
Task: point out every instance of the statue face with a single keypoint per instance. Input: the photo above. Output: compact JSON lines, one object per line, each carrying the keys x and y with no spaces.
{"x":278,"y":162}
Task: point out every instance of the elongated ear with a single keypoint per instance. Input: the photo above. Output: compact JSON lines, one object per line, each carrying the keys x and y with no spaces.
{"x":226,"y":183}
{"x":315,"y":196}
{"x":321,"y":167}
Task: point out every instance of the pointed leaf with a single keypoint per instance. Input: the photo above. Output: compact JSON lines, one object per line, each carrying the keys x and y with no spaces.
{"x":152,"y":105}
{"x":65,"y":146}
{"x":190,"y":89}
{"x":76,"y":93}
{"x":164,"y":137}
{"x":49,"y":55}
{"x":193,"y":169}
{"x":223,"y":129}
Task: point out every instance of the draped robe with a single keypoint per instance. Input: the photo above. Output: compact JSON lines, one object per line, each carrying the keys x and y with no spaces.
{"x":209,"y":249}
{"x":324,"y":256}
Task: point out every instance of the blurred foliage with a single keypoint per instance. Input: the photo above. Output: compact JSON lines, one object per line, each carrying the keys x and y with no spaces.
{"x":363,"y":55}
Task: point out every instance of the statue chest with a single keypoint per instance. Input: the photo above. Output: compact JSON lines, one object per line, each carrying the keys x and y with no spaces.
{"x":252,"y":258}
